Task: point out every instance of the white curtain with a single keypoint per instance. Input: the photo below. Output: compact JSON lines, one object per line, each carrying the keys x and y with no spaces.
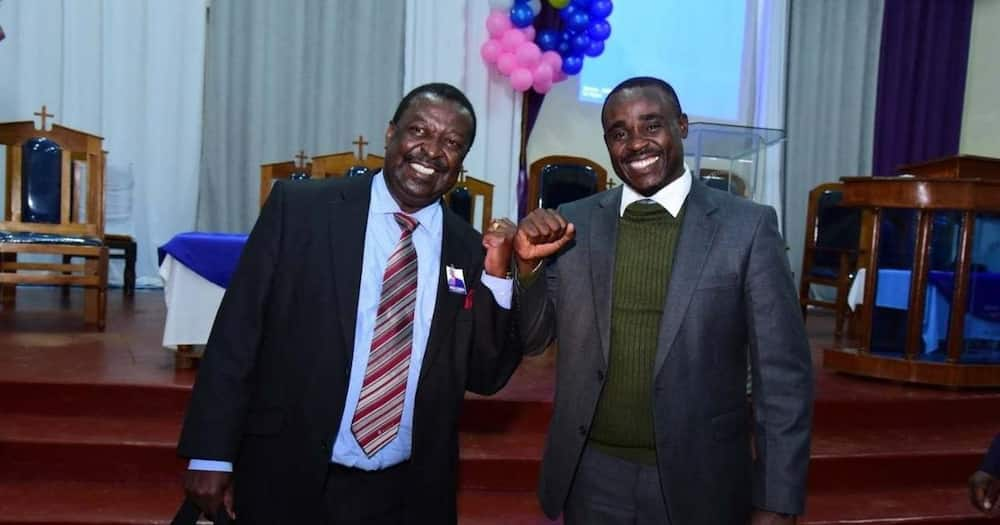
{"x":128,"y":71}
{"x":767,"y":105}
{"x":442,"y":45}
{"x":287,"y":76}
{"x":832,"y":77}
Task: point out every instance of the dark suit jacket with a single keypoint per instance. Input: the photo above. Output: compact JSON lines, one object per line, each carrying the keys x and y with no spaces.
{"x":271,"y":388}
{"x":730,"y":300}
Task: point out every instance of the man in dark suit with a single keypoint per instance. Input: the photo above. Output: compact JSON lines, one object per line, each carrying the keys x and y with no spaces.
{"x":659,"y":294}
{"x":984,"y":484}
{"x":334,"y":375}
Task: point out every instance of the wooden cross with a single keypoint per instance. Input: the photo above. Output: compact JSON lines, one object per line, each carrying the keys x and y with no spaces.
{"x":44,"y":114}
{"x":302,"y":159}
{"x":361,"y":143}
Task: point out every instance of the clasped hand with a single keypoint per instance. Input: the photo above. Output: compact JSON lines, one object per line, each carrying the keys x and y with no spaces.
{"x":541,"y":234}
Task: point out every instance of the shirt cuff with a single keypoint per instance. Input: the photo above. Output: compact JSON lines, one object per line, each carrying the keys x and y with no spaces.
{"x":210,"y":465}
{"x":503,"y":289}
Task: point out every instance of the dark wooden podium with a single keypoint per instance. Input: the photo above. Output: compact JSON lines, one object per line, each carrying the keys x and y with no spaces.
{"x":965,"y":184}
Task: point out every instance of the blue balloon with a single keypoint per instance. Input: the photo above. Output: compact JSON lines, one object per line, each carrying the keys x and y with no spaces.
{"x":521,"y":15}
{"x":579,"y":21}
{"x":566,"y":35}
{"x":600,"y":9}
{"x":599,"y":30}
{"x":595,"y":48}
{"x":547,"y":39}
{"x":572,"y":64}
{"x":568,"y":11}
{"x":582,"y":4}
{"x":564,"y":48}
{"x":580,"y":43}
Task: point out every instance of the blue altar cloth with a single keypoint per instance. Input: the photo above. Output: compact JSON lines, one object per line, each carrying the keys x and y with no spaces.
{"x":211,"y":255}
{"x":893,"y":291}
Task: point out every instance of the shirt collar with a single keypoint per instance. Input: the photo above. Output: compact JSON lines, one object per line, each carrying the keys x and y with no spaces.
{"x":382,"y":203}
{"x":671,"y":196}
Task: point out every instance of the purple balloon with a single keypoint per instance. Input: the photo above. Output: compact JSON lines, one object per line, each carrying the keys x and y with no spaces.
{"x":600,"y":9}
{"x":572,"y":64}
{"x":580,"y":43}
{"x":595,"y":48}
{"x":599,"y":30}
{"x":579,"y":21}
{"x":547,"y":39}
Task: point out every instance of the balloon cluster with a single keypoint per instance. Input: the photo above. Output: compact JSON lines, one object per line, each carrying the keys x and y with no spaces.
{"x":536,"y":61}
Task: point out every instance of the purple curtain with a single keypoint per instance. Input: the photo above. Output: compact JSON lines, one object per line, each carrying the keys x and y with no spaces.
{"x":548,"y":18}
{"x":921,"y":81}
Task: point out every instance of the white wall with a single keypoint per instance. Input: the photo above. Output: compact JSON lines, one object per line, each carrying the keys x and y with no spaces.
{"x":566,"y":126}
{"x":981,"y":113}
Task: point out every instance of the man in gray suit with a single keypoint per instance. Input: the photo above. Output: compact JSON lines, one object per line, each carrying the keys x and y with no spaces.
{"x":660,"y":293}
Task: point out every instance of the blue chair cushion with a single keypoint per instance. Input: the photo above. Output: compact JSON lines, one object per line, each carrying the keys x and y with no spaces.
{"x":47,"y":238}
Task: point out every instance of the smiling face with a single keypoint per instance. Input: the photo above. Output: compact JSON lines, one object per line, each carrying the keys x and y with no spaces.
{"x":644,"y":133}
{"x":424,"y":151}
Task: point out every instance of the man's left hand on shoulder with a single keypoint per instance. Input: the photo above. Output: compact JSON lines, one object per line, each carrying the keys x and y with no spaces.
{"x":498,"y":239}
{"x":763,"y":517}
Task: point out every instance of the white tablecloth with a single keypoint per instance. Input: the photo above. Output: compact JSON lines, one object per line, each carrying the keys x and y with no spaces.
{"x":192,"y":302}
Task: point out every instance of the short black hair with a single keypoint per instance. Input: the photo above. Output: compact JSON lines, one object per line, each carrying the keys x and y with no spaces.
{"x":440,"y":90}
{"x":645,"y":82}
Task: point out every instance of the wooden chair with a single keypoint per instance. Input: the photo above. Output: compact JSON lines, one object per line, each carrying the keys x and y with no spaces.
{"x":284,"y":170}
{"x":341,"y":164}
{"x":830,"y":251}
{"x":54,"y":206}
{"x":462,"y":199}
{"x":558,"y":179}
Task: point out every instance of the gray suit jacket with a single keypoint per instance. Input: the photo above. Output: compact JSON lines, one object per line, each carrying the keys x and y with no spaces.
{"x":730,"y":300}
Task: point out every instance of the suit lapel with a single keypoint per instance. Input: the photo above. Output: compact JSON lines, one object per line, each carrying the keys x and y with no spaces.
{"x":446,"y":304}
{"x":348,"y":222}
{"x":697,"y":232}
{"x":603,"y":236}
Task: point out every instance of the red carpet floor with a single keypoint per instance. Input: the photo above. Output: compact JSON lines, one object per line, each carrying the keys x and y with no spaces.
{"x":89,"y":421}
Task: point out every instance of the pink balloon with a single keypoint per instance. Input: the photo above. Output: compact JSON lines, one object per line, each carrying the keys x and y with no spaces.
{"x":506,"y":62}
{"x":528,"y":54}
{"x":542,"y":86}
{"x":543,"y":73}
{"x":497,"y":23}
{"x":521,"y":79}
{"x":512,"y":38}
{"x":559,"y":76}
{"x":553,"y":59}
{"x":529,"y":32}
{"x":490,"y":51}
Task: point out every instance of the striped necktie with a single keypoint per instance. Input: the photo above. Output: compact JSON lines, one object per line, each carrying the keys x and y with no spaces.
{"x":380,"y":406}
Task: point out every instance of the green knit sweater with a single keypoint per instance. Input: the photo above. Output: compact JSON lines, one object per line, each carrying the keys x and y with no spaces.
{"x":644,"y":255}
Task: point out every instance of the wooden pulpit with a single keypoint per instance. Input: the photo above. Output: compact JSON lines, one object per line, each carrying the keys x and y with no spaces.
{"x":964,"y":184}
